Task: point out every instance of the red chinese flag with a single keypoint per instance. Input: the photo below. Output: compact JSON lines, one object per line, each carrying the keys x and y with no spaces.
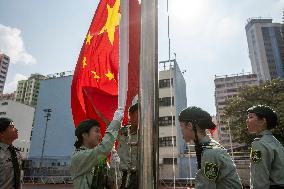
{"x":95,"y":82}
{"x":134,"y":53}
{"x":94,"y":90}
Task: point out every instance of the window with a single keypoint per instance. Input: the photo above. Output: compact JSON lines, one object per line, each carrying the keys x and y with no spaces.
{"x":2,"y":113}
{"x":170,"y":161}
{"x":166,"y":121}
{"x":4,"y":103}
{"x":167,"y":141}
{"x":166,"y":101}
{"x":165,"y":83}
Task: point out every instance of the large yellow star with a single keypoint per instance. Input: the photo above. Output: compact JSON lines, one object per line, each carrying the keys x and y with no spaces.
{"x":112,"y":20}
{"x":88,"y":38}
{"x":95,"y":75}
{"x":109,"y":75}
{"x":84,"y":62}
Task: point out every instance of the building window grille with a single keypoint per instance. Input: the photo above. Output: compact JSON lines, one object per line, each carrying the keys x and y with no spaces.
{"x":169,"y":161}
{"x":166,"y":101}
{"x":166,"y":121}
{"x":167,"y":141}
{"x":165,"y":83}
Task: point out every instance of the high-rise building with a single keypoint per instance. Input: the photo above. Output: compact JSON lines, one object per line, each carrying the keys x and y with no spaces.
{"x":4,"y":65}
{"x":172,"y":99}
{"x":266,"y":48}
{"x":27,"y":90}
{"x":226,"y":87}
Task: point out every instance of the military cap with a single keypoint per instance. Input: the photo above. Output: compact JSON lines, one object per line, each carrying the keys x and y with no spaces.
{"x":197,"y":116}
{"x":4,"y":123}
{"x":266,"y":112}
{"x":85,"y":126}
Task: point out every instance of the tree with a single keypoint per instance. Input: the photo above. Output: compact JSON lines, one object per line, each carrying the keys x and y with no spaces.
{"x":268,"y":93}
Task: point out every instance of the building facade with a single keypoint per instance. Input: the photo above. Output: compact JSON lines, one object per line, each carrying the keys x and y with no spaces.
{"x":28,"y":90}
{"x":266,"y":48}
{"x":23,"y":117}
{"x":226,"y":87}
{"x":172,"y":100}
{"x":53,"y":132}
{"x":8,"y":96}
{"x":4,"y":66}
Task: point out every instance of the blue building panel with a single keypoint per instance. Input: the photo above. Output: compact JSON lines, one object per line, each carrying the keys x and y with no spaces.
{"x":54,"y":94}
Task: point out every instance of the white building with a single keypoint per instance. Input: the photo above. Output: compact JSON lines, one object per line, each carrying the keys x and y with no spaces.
{"x":23,"y":117}
{"x":172,"y":99}
{"x":266,"y":48}
{"x":4,"y":65}
{"x":226,"y":87}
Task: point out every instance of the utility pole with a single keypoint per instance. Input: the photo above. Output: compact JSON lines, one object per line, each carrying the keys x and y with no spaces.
{"x":47,"y":115}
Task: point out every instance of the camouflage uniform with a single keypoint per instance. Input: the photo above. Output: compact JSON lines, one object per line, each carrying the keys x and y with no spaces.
{"x":217,"y":168}
{"x":267,"y":162}
{"x":128,"y":160}
{"x":88,"y":166}
{"x":6,"y":167}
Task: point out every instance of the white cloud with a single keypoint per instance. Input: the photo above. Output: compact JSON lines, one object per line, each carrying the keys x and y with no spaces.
{"x":11,"y":87}
{"x":11,"y":43}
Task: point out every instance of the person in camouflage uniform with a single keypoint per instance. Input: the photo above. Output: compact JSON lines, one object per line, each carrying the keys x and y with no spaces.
{"x":127,"y":150}
{"x":89,"y":167}
{"x":10,"y":158}
{"x":267,"y":153}
{"x":215,"y":167}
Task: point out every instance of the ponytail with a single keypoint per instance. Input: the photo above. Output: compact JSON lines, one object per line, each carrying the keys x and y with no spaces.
{"x":198,"y":148}
{"x":78,"y":142}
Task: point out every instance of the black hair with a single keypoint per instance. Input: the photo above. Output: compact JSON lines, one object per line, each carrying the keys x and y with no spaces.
{"x":4,"y":123}
{"x":197,"y":116}
{"x":84,"y":127}
{"x":262,"y":111}
{"x":133,"y":108}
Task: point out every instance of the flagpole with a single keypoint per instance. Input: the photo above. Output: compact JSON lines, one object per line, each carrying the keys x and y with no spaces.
{"x":148,"y":90}
{"x":123,"y":53}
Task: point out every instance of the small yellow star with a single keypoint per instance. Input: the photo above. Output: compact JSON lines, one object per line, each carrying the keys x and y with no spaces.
{"x":88,"y":38}
{"x":112,"y":20}
{"x":84,"y":62}
{"x":95,"y":75}
{"x":109,"y":75}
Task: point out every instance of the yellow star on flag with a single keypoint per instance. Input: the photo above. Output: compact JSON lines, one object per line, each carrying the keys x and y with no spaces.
{"x":95,"y":75}
{"x":88,"y":38}
{"x":109,"y":75}
{"x":112,"y":20}
{"x":84,"y":62}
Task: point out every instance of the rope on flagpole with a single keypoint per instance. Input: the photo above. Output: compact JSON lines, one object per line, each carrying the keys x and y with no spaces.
{"x":171,"y":92}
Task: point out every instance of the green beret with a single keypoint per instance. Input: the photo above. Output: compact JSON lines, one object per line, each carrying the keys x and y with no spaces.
{"x":266,"y":112}
{"x":4,"y":123}
{"x":197,"y":116}
{"x":85,"y":126}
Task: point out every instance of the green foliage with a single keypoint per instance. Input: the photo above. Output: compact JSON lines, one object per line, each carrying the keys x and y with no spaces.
{"x":268,"y":93}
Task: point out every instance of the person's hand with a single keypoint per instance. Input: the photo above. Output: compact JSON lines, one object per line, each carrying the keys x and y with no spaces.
{"x":118,"y":114}
{"x":115,"y":159}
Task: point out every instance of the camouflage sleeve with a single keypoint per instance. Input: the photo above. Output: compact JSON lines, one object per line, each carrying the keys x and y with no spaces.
{"x":83,"y":161}
{"x":123,"y":152}
{"x":261,"y":159}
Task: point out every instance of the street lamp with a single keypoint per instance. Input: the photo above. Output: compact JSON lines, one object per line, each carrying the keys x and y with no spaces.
{"x":47,"y":115}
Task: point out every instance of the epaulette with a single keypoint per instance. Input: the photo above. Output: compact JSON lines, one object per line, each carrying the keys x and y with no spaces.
{"x":256,"y":139}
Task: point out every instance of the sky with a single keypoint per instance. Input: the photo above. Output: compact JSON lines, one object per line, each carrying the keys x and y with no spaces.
{"x":207,"y":36}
